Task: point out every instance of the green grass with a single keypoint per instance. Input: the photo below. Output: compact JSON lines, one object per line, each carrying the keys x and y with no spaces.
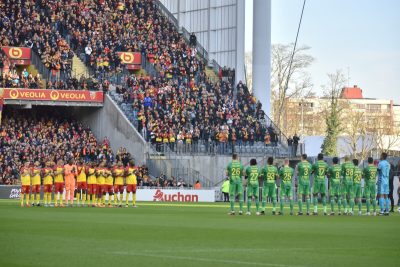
{"x":190,"y":235}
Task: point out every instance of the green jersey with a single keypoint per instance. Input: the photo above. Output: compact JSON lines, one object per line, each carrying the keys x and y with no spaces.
{"x":286,"y":175}
{"x":357,"y":175}
{"x":269,"y":173}
{"x":348,"y":172}
{"x":320,"y":169}
{"x":252,"y":173}
{"x":235,"y":170}
{"x":334,"y":173}
{"x":304,"y":169}
{"x":370,"y":174}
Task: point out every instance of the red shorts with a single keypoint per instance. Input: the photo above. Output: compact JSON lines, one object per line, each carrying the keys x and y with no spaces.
{"x":48,"y":188}
{"x":131,"y":188}
{"x":59,"y":188}
{"x":108,"y":188}
{"x":25,"y":189}
{"x":36,"y":188}
{"x":100,"y":189}
{"x":118,"y":188}
{"x":81,"y":185}
{"x":92,"y":189}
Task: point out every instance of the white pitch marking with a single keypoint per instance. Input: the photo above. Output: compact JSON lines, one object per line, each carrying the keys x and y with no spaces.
{"x":205,"y":259}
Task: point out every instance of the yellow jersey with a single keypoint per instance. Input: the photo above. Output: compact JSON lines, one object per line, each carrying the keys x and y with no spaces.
{"x":36,"y":176}
{"x":100,"y":176}
{"x":131,"y":178}
{"x":119,"y":176}
{"x":25,"y":177}
{"x":92,"y":177}
{"x":81,"y":174}
{"x":59,"y":178}
{"x":48,"y":178}
{"x":109,"y":178}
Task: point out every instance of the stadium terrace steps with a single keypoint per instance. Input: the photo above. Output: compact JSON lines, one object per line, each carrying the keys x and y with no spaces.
{"x":34,"y":71}
{"x":211,"y":74}
{"x":79,"y":68}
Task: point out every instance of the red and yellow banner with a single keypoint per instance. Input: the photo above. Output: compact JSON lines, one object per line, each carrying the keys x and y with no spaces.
{"x":130,"y":58}
{"x":53,"y":95}
{"x":18,"y":55}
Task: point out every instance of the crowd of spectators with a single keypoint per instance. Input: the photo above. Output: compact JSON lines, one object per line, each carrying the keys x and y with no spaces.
{"x":82,"y":83}
{"x":99,"y":29}
{"x":27,"y":23}
{"x":13,"y":79}
{"x":35,"y":135}
{"x":181,"y":107}
{"x":180,"y":115}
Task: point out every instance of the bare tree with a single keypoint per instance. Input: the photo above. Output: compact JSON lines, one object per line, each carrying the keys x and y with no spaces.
{"x":385,"y":135}
{"x":358,"y":141}
{"x":286,"y":83}
{"x":333,"y":111}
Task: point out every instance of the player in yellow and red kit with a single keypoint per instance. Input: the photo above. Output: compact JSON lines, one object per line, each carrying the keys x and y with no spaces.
{"x":81,"y":183}
{"x":58,"y":184}
{"x":108,"y":186}
{"x":131,"y":183}
{"x":100,"y":185}
{"x":36,"y":181}
{"x":47,"y":183}
{"x":118,"y":184}
{"x":92,"y":186}
{"x":25,"y":183}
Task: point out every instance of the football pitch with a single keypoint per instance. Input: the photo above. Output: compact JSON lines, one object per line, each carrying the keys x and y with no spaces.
{"x":158,"y":234}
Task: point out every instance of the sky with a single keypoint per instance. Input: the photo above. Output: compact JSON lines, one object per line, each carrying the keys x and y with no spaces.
{"x":360,"y":37}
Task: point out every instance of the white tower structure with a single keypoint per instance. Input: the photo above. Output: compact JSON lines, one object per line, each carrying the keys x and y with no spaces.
{"x":262,"y":53}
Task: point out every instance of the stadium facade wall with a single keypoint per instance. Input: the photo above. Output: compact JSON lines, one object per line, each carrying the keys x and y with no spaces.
{"x":209,"y":167}
{"x":111,"y":122}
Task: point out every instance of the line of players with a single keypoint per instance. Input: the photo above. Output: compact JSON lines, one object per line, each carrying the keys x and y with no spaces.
{"x":91,"y":184}
{"x":344,"y":185}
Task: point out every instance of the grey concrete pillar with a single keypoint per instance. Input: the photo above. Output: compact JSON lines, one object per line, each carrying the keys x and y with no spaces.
{"x":262,"y":53}
{"x":240,"y":30}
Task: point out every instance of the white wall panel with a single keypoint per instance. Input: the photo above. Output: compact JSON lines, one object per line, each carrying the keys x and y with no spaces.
{"x":213,"y":22}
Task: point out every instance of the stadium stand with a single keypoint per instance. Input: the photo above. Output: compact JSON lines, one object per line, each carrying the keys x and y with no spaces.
{"x":178,"y":109}
{"x":27,"y":23}
{"x":34,"y":135}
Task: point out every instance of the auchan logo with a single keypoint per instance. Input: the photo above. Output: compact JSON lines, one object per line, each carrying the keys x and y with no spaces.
{"x":161,"y":196}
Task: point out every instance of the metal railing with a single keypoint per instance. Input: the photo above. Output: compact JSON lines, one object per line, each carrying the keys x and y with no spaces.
{"x":176,"y":167}
{"x":37,"y":61}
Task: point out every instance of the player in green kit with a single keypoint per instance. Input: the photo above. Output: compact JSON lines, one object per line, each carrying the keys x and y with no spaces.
{"x":269,"y":174}
{"x":286,"y":177}
{"x":320,"y":169}
{"x":347,"y":184}
{"x":370,"y":173}
{"x":357,"y":177}
{"x":252,"y":175}
{"x":304,"y":169}
{"x":235,"y":173}
{"x":334,"y":174}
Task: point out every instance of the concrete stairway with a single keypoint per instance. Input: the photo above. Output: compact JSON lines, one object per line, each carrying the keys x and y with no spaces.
{"x":211,"y":74}
{"x":34,"y":71}
{"x":78,"y":68}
